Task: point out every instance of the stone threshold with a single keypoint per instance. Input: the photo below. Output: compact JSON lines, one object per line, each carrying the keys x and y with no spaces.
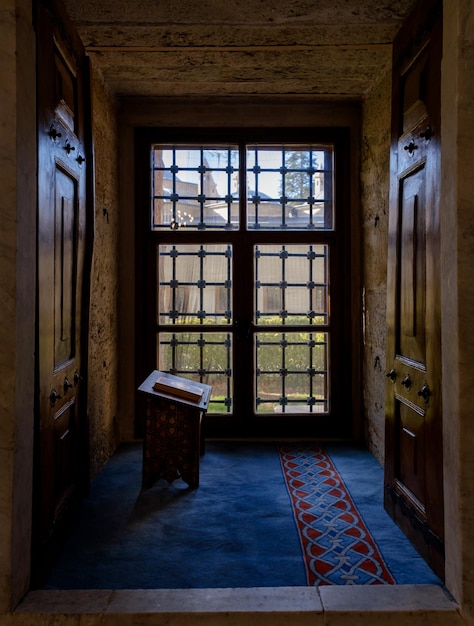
{"x":371,"y":605}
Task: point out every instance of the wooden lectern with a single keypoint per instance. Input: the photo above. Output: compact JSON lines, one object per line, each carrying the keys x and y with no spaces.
{"x":174,"y":433}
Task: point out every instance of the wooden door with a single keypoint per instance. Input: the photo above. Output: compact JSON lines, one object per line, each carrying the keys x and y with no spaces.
{"x":414,"y":452}
{"x":61,"y":451}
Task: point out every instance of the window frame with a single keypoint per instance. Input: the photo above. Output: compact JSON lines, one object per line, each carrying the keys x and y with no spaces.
{"x":339,"y":241}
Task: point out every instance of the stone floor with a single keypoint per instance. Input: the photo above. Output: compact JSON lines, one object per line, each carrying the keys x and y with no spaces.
{"x":418,"y":605}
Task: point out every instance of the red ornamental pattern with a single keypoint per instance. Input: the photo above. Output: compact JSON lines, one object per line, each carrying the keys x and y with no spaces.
{"x":338,"y":548}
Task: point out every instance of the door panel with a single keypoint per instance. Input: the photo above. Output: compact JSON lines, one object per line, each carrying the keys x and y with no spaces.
{"x":61,"y":453}
{"x":412,"y":448}
{"x":411,"y":333}
{"x":65,"y":456}
{"x":65,"y":261}
{"x":413,"y":456}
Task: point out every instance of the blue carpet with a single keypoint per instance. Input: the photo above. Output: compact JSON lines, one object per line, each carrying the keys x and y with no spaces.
{"x":236,"y":530}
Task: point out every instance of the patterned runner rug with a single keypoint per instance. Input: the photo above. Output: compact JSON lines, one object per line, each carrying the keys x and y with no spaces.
{"x":338,"y":548}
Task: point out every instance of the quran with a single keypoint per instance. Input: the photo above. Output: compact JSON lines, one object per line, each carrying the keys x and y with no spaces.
{"x":179,"y":387}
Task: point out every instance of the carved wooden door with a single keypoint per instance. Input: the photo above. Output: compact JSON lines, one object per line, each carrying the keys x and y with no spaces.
{"x":61,"y":461}
{"x":414,"y":454}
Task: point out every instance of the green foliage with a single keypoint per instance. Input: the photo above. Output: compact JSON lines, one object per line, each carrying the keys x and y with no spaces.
{"x":192,"y":353}
{"x":297,"y":180}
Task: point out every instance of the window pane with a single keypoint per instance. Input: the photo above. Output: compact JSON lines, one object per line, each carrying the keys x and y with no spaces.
{"x":195,"y":188}
{"x":290,"y":187}
{"x":292,"y":372}
{"x":291,"y":284}
{"x":203,"y":357}
{"x":194,"y":284}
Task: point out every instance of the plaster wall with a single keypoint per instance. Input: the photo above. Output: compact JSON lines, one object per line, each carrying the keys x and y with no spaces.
{"x":375,"y":175}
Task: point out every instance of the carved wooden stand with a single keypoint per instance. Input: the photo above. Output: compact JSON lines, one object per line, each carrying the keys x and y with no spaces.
{"x":174,"y":439}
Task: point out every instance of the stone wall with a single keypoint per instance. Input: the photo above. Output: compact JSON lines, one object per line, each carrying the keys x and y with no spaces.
{"x":17,"y":294}
{"x":375,"y":175}
{"x":457,"y":295}
{"x":103,"y":344}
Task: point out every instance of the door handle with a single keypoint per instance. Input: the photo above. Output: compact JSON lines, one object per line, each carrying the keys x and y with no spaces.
{"x":53,"y":133}
{"x":53,"y":396}
{"x":425,"y":393}
{"x":392,"y":374}
{"x":411,"y":147}
{"x":69,"y":148}
{"x":406,"y":382}
{"x":427,"y":133}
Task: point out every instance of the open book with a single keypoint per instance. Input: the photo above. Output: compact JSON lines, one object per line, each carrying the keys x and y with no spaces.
{"x":179,"y":387}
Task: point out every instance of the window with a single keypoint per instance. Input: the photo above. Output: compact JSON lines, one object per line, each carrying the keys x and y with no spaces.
{"x":244,"y":246}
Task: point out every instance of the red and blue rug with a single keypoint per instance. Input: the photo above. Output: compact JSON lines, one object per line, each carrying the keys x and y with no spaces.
{"x":264,"y":515}
{"x":338,"y":548}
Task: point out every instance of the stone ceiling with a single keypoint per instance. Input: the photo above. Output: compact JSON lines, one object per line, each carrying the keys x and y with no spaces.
{"x":239,"y":47}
